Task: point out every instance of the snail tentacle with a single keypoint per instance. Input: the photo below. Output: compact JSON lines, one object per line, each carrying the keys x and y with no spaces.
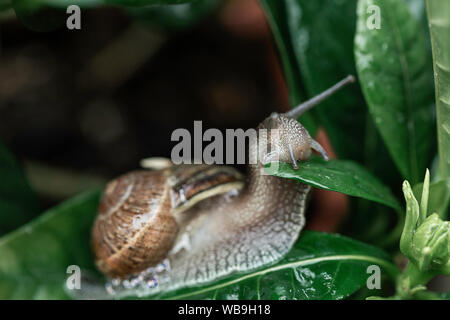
{"x":318,"y":147}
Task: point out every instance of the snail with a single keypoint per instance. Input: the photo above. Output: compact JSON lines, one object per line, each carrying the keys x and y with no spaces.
{"x":172,"y":226}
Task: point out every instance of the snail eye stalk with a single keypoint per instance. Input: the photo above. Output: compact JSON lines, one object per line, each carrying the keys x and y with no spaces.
{"x":305,"y":106}
{"x":294,"y":162}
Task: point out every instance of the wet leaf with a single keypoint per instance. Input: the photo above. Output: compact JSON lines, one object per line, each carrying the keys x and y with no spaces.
{"x":438,"y":17}
{"x":18,"y":203}
{"x":320,"y":266}
{"x":34,"y":260}
{"x":395,"y":77}
{"x":342,"y":176}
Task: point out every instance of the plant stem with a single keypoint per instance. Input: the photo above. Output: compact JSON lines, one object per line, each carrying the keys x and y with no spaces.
{"x":438,"y":12}
{"x":411,"y":281}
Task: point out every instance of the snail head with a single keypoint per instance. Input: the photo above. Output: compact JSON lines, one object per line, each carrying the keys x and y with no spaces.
{"x":291,"y":142}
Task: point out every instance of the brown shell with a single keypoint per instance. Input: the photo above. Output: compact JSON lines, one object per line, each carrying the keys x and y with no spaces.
{"x":136,"y":224}
{"x":190,"y":184}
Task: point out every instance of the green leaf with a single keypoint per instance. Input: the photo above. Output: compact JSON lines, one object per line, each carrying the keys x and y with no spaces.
{"x":412,"y":216}
{"x":320,"y":266}
{"x":5,"y":5}
{"x":322,"y":41}
{"x":90,"y":3}
{"x":341,"y":176}
{"x":49,"y":15}
{"x":275,"y":12}
{"x":417,"y":9}
{"x":439,"y":23}
{"x":276,"y":16}
{"x":174,"y":17}
{"x":34,"y":258}
{"x":18,"y":203}
{"x":445,"y":296}
{"x":132,"y":3}
{"x":395,"y":77}
{"x":438,"y":199}
{"x":28,"y":7}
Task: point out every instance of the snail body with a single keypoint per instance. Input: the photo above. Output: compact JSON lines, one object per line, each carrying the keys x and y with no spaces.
{"x":204,"y":221}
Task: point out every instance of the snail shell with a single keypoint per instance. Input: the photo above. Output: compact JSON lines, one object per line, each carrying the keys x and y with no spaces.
{"x":137,"y":218}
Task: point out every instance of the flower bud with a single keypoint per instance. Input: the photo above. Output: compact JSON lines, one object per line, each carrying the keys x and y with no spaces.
{"x":425,"y":240}
{"x":431,"y":243}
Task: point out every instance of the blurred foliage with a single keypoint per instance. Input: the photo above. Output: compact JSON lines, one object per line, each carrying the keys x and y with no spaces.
{"x":47,"y":15}
{"x":5,"y":4}
{"x":34,"y":258}
{"x":18,"y":203}
{"x":174,"y":17}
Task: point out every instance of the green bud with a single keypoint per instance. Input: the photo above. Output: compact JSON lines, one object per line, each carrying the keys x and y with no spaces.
{"x":431,"y":244}
{"x":411,"y":219}
{"x":425,"y":240}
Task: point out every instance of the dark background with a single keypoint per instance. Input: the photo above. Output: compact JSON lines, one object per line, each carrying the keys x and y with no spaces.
{"x":78,"y":107}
